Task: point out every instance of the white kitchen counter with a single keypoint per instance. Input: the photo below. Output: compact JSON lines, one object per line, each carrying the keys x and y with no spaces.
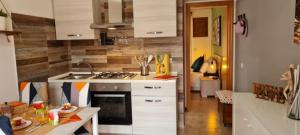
{"x":254,"y":116}
{"x":137,"y":78}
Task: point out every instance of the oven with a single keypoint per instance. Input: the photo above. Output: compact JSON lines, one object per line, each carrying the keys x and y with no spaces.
{"x":114,"y":99}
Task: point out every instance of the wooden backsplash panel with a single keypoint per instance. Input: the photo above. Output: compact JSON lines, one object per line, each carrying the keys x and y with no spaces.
{"x":59,"y":57}
{"x":36,"y":57}
{"x":119,"y":60}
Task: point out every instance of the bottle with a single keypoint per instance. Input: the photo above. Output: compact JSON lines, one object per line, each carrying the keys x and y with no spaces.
{"x":6,"y":110}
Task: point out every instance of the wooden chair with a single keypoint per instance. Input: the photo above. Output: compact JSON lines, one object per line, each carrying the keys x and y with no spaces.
{"x":5,"y":127}
{"x":77,"y":93}
{"x":33,"y":91}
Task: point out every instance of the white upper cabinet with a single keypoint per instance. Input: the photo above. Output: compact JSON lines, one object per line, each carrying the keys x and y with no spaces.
{"x":155,"y":18}
{"x":73,"y":19}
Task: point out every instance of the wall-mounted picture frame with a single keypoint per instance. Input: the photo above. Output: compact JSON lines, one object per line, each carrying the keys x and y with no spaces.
{"x":217,"y":31}
{"x":200,"y":27}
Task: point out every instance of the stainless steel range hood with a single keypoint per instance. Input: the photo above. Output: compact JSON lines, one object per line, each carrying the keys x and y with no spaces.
{"x":115,"y":18}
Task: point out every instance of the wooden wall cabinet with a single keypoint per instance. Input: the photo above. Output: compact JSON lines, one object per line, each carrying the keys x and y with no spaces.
{"x":154,"y":109}
{"x":154,"y":18}
{"x":73,"y":19}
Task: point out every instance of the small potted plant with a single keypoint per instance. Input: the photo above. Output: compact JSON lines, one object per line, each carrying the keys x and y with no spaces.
{"x":3,"y":16}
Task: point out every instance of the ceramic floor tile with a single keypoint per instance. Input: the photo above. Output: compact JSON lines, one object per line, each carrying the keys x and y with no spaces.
{"x":203,"y":119}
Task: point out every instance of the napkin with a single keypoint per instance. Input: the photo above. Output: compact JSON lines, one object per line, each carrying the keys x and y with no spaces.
{"x":73,"y":118}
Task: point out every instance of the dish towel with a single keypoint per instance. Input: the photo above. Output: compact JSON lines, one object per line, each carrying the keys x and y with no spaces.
{"x":76,"y":93}
{"x":5,"y":127}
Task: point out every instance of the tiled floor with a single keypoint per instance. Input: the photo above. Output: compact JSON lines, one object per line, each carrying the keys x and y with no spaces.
{"x":204,"y":119}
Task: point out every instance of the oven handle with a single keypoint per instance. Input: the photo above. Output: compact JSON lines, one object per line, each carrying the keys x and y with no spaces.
{"x":109,"y":95}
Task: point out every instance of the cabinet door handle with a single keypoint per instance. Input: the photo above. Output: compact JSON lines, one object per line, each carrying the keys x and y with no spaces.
{"x":152,"y":87}
{"x":157,"y":87}
{"x":74,"y":35}
{"x":155,"y":32}
{"x":158,"y":32}
{"x":150,"y":33}
{"x":148,"y":87}
{"x":148,"y":100}
{"x":158,"y":100}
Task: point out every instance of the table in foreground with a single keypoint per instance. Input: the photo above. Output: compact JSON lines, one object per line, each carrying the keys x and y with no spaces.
{"x":85,"y":114}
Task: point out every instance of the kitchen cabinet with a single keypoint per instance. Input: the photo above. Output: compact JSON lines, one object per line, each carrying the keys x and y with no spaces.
{"x":73,"y":19}
{"x":154,"y":18}
{"x":154,"y":109}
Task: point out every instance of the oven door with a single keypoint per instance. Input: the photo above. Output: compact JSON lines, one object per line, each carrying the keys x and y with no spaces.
{"x":115,"y":107}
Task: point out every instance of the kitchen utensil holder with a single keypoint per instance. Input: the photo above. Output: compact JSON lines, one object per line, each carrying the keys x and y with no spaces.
{"x":144,"y":70}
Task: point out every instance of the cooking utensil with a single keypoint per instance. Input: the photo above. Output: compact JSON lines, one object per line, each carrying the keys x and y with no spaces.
{"x":150,"y":57}
{"x":138,"y":58}
{"x":144,"y":70}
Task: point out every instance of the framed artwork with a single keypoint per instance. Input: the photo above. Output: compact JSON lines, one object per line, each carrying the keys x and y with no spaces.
{"x":217,"y":31}
{"x":297,"y":23}
{"x":200,"y":27}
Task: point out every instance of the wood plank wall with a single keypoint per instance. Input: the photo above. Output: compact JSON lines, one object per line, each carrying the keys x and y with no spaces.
{"x":36,"y":60}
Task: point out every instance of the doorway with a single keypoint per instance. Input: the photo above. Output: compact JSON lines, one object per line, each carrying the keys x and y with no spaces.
{"x":220,"y":37}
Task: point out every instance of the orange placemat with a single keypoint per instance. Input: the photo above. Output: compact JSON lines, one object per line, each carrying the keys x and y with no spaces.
{"x":67,"y":118}
{"x":73,"y":118}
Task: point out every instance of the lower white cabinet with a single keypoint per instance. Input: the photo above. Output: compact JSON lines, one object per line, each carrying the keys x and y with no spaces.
{"x":153,"y":114}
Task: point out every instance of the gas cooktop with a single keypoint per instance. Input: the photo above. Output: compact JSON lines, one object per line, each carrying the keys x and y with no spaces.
{"x":115,"y":75}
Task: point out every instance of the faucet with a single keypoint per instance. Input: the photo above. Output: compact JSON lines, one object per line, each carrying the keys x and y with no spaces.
{"x":90,"y":66}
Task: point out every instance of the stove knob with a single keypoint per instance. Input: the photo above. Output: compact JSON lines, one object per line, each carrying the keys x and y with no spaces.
{"x":116,"y":87}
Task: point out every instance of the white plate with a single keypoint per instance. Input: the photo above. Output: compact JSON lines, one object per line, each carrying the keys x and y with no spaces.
{"x":73,"y":108}
{"x":26,"y":123}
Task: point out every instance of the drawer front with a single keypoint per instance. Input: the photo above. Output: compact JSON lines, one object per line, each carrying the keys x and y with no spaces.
{"x":154,"y":89}
{"x":154,"y":115}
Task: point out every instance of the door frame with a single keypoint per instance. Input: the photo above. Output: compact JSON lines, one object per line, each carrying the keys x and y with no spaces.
{"x":186,"y":46}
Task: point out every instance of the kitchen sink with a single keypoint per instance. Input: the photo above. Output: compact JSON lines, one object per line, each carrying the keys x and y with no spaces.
{"x":76,"y":76}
